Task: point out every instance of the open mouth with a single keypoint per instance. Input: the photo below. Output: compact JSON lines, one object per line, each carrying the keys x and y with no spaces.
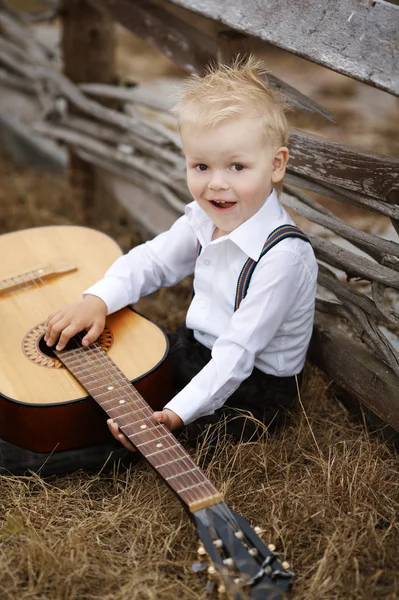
{"x":222,"y":204}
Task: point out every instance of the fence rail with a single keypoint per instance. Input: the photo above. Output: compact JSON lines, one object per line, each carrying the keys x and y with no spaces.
{"x":142,"y":149}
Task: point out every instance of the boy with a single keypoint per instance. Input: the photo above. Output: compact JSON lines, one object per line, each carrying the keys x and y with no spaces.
{"x":246,"y":351}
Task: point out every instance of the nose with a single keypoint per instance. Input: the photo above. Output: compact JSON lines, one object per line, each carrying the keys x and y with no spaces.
{"x":218,"y":182}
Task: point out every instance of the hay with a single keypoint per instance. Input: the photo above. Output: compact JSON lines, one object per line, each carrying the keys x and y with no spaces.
{"x":324,"y":490}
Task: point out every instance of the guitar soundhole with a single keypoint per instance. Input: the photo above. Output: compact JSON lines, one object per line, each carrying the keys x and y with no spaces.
{"x":36,"y":350}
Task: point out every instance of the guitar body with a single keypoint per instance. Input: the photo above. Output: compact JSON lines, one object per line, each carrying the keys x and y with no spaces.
{"x":42,"y":406}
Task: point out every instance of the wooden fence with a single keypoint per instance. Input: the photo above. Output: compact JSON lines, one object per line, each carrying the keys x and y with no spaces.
{"x":356,"y":37}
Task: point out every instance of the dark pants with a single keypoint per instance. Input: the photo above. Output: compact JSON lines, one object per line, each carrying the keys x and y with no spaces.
{"x":261,"y":400}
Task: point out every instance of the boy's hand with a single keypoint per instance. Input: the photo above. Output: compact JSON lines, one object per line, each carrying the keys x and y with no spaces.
{"x":89,"y":314}
{"x":167,"y":417}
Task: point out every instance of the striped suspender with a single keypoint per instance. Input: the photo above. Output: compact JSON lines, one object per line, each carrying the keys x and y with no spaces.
{"x":278,"y":235}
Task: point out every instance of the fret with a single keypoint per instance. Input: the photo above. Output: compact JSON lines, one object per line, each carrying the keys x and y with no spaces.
{"x":116,"y":396}
{"x":181,"y":474}
{"x":119,"y":403}
{"x":111,"y":389}
{"x":158,"y":451}
{"x":125,"y":425}
{"x":194,"y":486}
{"x":122,"y":407}
{"x":98,"y":395}
{"x":156,"y":439}
{"x":184,"y":463}
{"x":171,"y":462}
{"x":169,"y":453}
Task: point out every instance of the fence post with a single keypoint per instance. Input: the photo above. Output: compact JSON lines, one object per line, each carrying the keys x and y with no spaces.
{"x":88,"y":42}
{"x":230,"y":44}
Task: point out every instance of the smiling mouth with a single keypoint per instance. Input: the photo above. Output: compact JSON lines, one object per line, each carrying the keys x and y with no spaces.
{"x":222,"y":204}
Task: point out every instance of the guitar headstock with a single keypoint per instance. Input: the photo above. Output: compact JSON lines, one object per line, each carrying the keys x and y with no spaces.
{"x":247,"y":567}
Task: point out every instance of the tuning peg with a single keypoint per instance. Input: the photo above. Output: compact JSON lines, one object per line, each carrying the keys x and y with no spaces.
{"x":202,"y":554}
{"x":218,"y":543}
{"x":228,"y":562}
{"x":286,"y":565}
{"x":271,"y":547}
{"x":222,"y":592}
{"x":239,"y":534}
{"x":212,"y":573}
{"x":258,"y":530}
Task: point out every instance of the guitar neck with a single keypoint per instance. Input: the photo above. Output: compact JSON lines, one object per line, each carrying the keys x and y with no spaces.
{"x":47,"y":271}
{"x":113,"y":391}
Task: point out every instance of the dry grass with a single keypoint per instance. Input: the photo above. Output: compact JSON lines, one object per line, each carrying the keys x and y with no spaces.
{"x":324,"y":490}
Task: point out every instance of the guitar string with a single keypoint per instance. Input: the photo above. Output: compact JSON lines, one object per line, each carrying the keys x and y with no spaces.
{"x":18,"y":280}
{"x":222,"y":507}
{"x":172,"y":444}
{"x":172,"y":447}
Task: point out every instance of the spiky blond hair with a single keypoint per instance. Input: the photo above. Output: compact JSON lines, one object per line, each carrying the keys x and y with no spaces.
{"x":229,"y":91}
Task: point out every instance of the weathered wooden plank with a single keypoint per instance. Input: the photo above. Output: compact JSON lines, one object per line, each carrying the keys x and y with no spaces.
{"x":365,"y":327}
{"x":353,"y":264}
{"x":363,"y":239}
{"x":185,"y":45}
{"x":358,"y":371}
{"x":359,"y":38}
{"x":343,"y":166}
{"x":346,"y":196}
{"x":188,"y":47}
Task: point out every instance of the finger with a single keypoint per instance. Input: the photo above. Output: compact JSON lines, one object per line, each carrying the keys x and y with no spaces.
{"x":69,"y":331}
{"x":118,"y":435}
{"x":94,"y":333}
{"x":51,"y":321}
{"x":55,"y":329}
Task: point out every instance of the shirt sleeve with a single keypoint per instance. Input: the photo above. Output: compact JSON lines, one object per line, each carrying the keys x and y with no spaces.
{"x":161,"y":262}
{"x":273,"y":291}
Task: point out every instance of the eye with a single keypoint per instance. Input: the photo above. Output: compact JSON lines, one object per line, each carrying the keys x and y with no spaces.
{"x":237,"y":167}
{"x":201,"y":167}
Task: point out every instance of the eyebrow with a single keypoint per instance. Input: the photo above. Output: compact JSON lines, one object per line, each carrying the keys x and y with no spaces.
{"x":237,"y":157}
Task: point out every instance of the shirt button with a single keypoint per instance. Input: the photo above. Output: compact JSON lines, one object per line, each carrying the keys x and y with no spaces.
{"x":207,"y":262}
{"x":202,"y":304}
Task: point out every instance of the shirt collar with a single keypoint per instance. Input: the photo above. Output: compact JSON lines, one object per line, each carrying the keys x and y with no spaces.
{"x":250,"y":236}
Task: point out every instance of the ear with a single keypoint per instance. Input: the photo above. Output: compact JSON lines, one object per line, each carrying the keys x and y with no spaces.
{"x":279,"y":163}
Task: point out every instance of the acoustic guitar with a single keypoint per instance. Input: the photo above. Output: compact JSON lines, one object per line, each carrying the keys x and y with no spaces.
{"x":42,"y":406}
{"x":131,"y":351}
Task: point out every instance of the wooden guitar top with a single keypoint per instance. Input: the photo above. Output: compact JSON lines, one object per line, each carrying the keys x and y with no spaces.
{"x":27,"y":374}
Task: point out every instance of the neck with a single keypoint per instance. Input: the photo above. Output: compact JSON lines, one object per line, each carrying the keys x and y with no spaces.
{"x":109,"y":387}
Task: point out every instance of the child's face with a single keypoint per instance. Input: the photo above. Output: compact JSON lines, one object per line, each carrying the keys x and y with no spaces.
{"x":230,"y":170}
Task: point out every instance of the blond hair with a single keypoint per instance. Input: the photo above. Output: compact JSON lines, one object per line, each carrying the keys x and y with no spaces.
{"x":228,"y":91}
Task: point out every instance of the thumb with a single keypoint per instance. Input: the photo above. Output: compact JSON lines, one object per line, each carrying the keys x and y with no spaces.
{"x":161,"y":417}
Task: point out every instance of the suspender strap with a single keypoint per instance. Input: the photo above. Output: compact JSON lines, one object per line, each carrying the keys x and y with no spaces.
{"x":278,"y":235}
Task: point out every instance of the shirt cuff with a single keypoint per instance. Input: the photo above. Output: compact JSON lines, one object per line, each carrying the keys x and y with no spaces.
{"x":112,"y":291}
{"x":189,"y":404}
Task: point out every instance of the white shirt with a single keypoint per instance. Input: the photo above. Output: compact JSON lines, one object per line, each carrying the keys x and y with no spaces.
{"x":272,"y":328}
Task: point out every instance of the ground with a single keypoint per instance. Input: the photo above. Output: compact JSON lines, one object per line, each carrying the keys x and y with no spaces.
{"x":324,"y":490}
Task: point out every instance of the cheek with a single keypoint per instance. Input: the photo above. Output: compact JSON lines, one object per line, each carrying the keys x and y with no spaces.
{"x":194,"y":185}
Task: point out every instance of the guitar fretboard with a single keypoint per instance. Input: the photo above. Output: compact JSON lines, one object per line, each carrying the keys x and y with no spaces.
{"x":113,"y":391}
